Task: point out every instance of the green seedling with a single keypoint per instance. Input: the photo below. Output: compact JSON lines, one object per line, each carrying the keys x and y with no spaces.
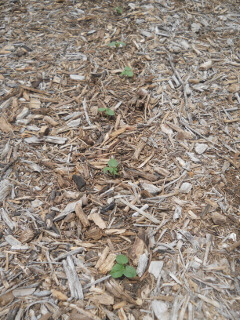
{"x":116,"y":44}
{"x":127,"y":72}
{"x":122,"y":269}
{"x":112,"y":167}
{"x":107,"y":111}
{"x":119,"y":10}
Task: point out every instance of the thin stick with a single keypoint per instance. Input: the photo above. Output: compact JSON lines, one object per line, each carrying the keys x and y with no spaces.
{"x":85,"y":110}
{"x":145,"y":214}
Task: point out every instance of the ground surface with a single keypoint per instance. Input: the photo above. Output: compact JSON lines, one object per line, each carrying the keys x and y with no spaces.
{"x":173,"y":208}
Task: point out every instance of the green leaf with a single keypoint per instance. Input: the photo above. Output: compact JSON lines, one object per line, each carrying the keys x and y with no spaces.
{"x":112,"y":44}
{"x":111,"y":170}
{"x":117,"y":271}
{"x":127,"y":72}
{"x":122,"y":259}
{"x":130,"y":272}
{"x":106,"y":169}
{"x":120,"y":44}
{"x":113,"y":163}
{"x":110,"y":112}
{"x":101,"y":109}
{"x":116,"y":44}
{"x":115,"y":171}
{"x":119,"y":10}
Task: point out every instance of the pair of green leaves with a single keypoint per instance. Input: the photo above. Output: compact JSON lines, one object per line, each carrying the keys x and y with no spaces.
{"x":116,"y":44}
{"x":121,"y":269}
{"x":127,"y":72}
{"x":112,"y":167}
{"x":107,"y":111}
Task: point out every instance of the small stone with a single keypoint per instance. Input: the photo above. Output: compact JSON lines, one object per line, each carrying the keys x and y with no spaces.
{"x":150,"y":188}
{"x":218,"y":218}
{"x":184,"y":44}
{"x":186,"y":187}
{"x":200,"y":148}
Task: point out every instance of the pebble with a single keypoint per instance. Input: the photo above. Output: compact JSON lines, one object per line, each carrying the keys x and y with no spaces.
{"x":200,"y":148}
{"x":186,"y":187}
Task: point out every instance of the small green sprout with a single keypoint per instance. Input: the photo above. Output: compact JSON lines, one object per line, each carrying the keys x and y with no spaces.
{"x":116,"y":44}
{"x":127,"y":72}
{"x":111,"y":167}
{"x":121,"y":268}
{"x":108,"y":111}
{"x":119,"y":10}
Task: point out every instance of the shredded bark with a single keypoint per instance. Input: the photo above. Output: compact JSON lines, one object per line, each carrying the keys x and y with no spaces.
{"x":171,"y":204}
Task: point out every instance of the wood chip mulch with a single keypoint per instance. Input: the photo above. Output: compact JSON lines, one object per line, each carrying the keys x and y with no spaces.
{"x":172,"y":205}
